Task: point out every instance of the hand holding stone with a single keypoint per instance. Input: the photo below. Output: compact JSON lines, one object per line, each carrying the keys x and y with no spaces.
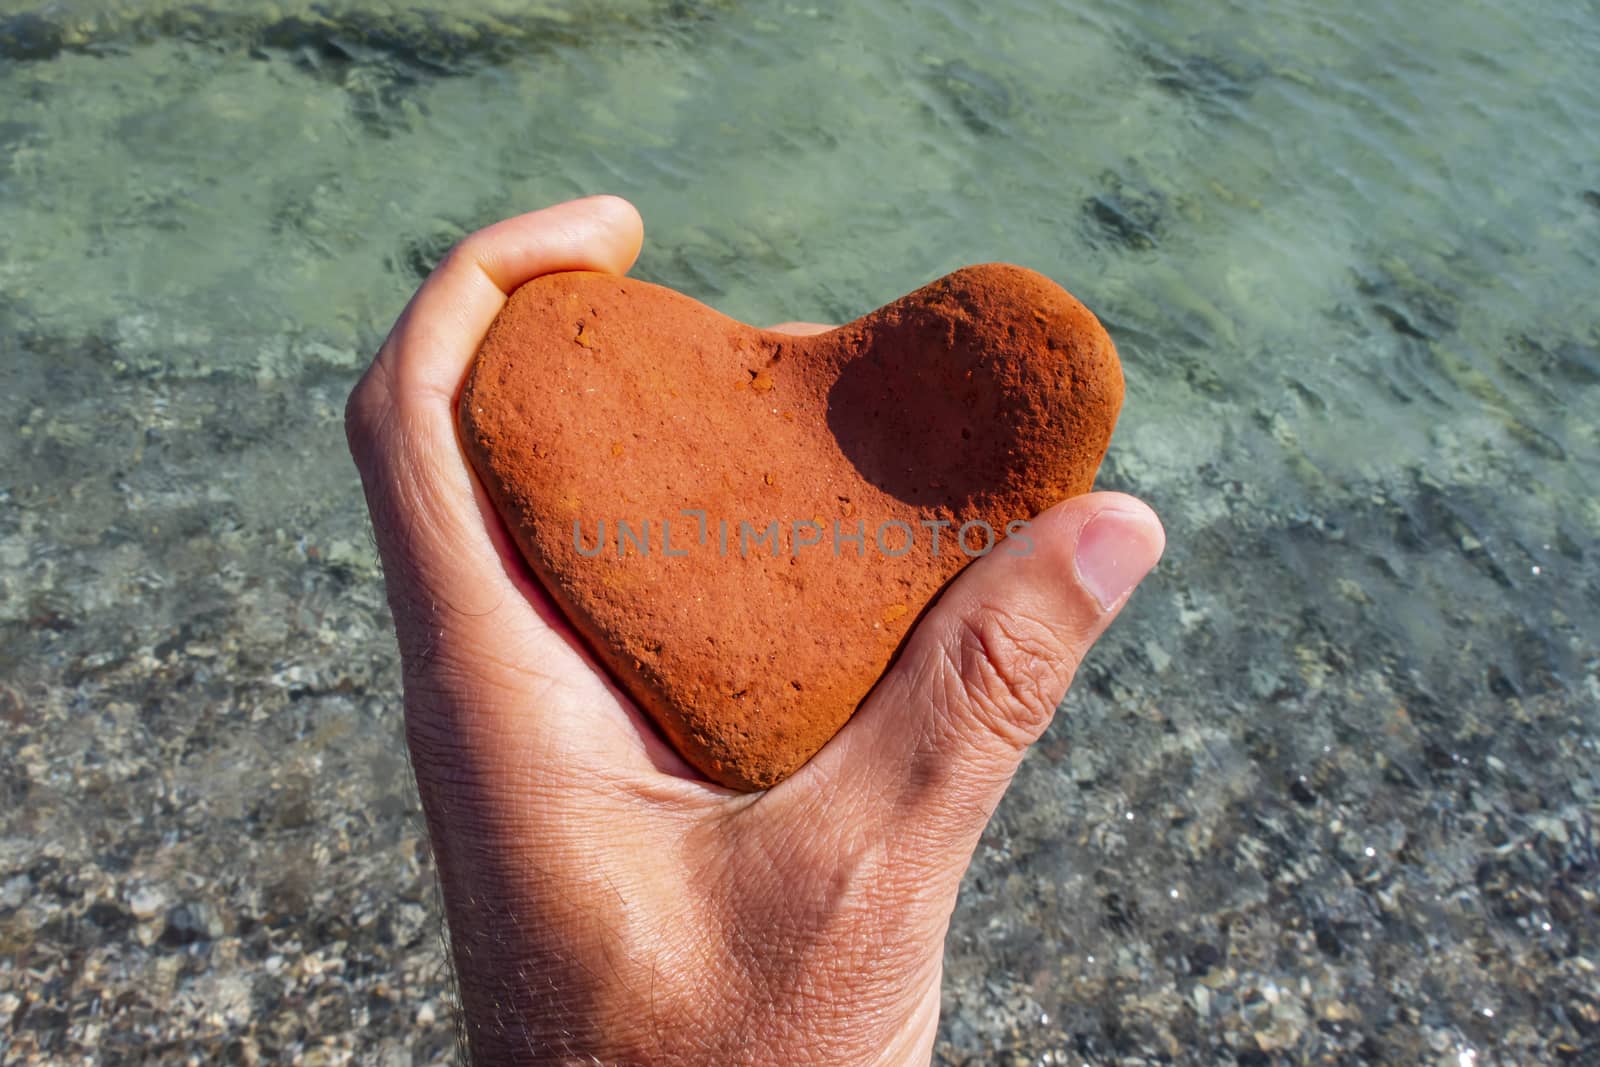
{"x":822,"y":488}
{"x":605,"y":901}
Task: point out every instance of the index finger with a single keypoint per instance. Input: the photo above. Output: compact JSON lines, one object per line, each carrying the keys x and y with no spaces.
{"x":438,"y":333}
{"x":440,"y":548}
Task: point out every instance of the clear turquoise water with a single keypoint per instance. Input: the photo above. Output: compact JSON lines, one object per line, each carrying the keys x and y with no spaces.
{"x":1268,"y":206}
{"x":1349,"y":256}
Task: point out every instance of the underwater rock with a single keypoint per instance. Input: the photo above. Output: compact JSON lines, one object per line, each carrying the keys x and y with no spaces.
{"x":744,"y":524}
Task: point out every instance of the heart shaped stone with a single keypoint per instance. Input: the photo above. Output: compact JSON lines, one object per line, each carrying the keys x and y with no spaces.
{"x":744,"y":524}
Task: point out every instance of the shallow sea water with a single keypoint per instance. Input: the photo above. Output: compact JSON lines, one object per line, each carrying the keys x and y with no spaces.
{"x":1327,"y":792}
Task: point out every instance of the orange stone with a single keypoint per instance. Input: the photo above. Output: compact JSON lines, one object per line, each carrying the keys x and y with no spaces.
{"x":743,"y":524}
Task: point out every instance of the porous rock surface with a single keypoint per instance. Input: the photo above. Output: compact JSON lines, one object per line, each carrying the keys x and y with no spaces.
{"x":744,"y":524}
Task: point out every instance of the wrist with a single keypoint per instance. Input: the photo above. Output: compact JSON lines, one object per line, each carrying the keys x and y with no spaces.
{"x":541,"y":1009}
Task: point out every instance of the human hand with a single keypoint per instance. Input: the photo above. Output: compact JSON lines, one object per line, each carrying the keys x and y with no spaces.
{"x":606,"y":904}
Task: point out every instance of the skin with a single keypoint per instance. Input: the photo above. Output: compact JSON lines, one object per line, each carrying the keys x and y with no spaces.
{"x":606,"y":904}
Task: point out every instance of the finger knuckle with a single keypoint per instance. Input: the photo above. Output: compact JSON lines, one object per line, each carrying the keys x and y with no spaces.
{"x":1011,"y":671}
{"x":466,"y":253}
{"x":368,"y":408}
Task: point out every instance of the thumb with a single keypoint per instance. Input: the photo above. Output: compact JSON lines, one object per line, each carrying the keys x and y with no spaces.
{"x":933,"y":748}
